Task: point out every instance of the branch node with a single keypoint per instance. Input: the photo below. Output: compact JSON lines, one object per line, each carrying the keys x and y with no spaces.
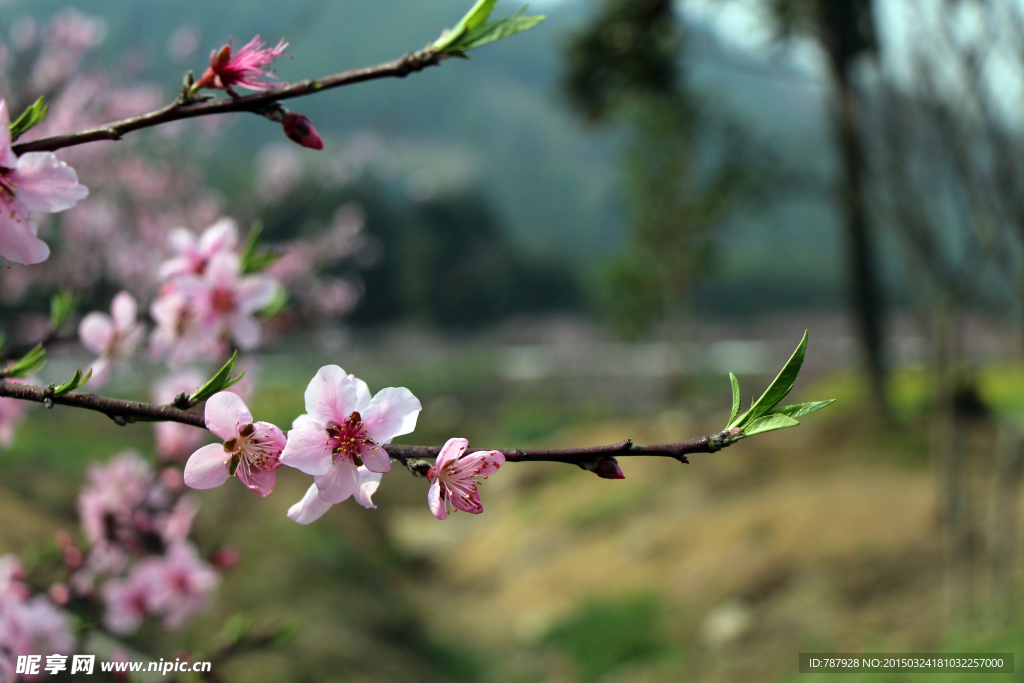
{"x":182,"y":401}
{"x":418,"y":467}
{"x":120,"y":420}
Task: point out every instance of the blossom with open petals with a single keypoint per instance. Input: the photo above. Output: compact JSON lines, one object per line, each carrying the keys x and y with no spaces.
{"x":182,"y":583}
{"x":113,"y":337}
{"x":251,"y":450}
{"x":454,"y":478}
{"x":36,"y":181}
{"x":312,"y":507}
{"x":192,"y":254}
{"x":244,"y":68}
{"x":223,"y":301}
{"x":344,"y":429}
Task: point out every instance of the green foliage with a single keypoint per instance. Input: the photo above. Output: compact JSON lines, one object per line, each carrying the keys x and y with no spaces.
{"x":29,"y":118}
{"x":603,"y":636}
{"x":31,"y":362}
{"x":219,"y":382}
{"x":61,"y":306}
{"x":764,"y":415}
{"x":255,"y":258}
{"x":75,"y":382}
{"x":473,"y":30}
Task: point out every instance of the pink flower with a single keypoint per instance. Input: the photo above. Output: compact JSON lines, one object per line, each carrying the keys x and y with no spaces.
{"x":299,"y":129}
{"x":250,"y":451}
{"x":194,"y":254}
{"x":181,"y":584}
{"x":35,"y":627}
{"x":115,"y":490}
{"x":223,"y":301}
{"x":12,"y":587}
{"x":344,"y":428}
{"x":454,"y":478}
{"x":175,"y":441}
{"x":312,"y":507}
{"x":128,"y":601}
{"x":114,"y":337}
{"x":241,"y":68}
{"x":35,"y":181}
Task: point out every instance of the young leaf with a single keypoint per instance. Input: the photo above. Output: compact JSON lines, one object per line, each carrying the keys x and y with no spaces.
{"x":76,"y":381}
{"x":778,"y":389}
{"x":801,"y":409}
{"x":219,"y":382}
{"x":28,"y":119}
{"x":496,"y":30}
{"x":475,"y":17}
{"x":769,"y":423}
{"x":254,"y":258}
{"x":27,"y":364}
{"x":737,"y":400}
{"x":61,"y":305}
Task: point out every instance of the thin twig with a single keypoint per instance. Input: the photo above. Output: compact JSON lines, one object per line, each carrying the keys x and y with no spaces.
{"x":416,"y":458}
{"x":182,"y":109}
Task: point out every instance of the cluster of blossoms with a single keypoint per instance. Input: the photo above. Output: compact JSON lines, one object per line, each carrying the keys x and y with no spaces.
{"x":339,"y":440}
{"x":139,"y":562}
{"x":29,"y":624}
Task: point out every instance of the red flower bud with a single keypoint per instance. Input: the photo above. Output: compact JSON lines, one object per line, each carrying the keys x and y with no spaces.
{"x":606,"y":467}
{"x":225,"y":558}
{"x":299,"y":129}
{"x":60,"y":594}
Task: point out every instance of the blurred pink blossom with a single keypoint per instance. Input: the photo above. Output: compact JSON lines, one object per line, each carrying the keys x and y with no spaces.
{"x":251,"y":451}
{"x":193,"y":254}
{"x":182,"y":583}
{"x":35,"y":627}
{"x":114,"y":337}
{"x":454,"y":478}
{"x":12,"y":413}
{"x":174,"y":441}
{"x":343,"y":429}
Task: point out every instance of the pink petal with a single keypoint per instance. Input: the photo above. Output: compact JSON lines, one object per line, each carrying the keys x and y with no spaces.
{"x":450,"y":452}
{"x":223,"y":270}
{"x":272,"y":438}
{"x":481,"y":463}
{"x":311,"y":508}
{"x":8,"y":159}
{"x":255,"y":292}
{"x":225,"y":413}
{"x":124,"y":311}
{"x":435,"y":502}
{"x":340,"y":482}
{"x":221,"y":236}
{"x":100,"y":372}
{"x":392,"y":412}
{"x":307,"y":449}
{"x":96,"y":332}
{"x":376,"y":459}
{"x":301,"y":421}
{"x":208,"y":468}
{"x":260,"y":481}
{"x":368,"y":483}
{"x":183,"y":241}
{"x":467,"y":501}
{"x":245,"y":330}
{"x":18,"y":241}
{"x":332,"y":395}
{"x":46,"y":184}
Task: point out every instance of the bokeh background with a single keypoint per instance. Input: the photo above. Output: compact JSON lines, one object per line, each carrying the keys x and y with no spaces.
{"x":571,"y":240}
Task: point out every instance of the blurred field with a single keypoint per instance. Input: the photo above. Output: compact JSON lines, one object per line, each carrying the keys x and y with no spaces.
{"x":822,"y":538}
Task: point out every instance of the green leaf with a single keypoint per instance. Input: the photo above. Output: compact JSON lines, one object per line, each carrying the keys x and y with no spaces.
{"x":778,"y":389}
{"x":769,"y":423}
{"x":473,"y":30}
{"x":61,"y":305}
{"x":503,"y":28}
{"x":737,"y":400}
{"x":801,"y":409}
{"x":76,"y":381}
{"x":28,"y":119}
{"x":27,"y":364}
{"x":219,"y":382}
{"x":254,"y":257}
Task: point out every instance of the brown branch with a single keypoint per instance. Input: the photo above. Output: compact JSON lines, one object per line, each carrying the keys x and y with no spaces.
{"x":416,"y":458}
{"x":257,"y":103}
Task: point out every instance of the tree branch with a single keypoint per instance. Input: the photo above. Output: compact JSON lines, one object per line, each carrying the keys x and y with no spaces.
{"x":416,"y":458}
{"x":259,"y":102}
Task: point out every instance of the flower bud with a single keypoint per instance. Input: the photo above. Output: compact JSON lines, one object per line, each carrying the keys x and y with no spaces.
{"x":299,"y":129}
{"x":60,"y":594}
{"x":606,"y":467}
{"x":225,"y":558}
